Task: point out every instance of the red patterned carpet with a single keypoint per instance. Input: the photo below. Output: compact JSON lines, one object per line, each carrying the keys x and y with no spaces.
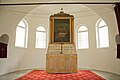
{"x":42,"y":75}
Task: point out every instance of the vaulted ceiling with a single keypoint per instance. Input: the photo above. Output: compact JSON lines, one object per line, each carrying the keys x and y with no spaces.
{"x":78,"y":10}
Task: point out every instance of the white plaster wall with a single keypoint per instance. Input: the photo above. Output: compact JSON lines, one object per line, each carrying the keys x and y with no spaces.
{"x":99,"y":58}
{"x":8,"y":22}
{"x":27,"y":58}
{"x":34,"y":57}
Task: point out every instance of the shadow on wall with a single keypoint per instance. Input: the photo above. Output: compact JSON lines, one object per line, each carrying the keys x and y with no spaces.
{"x":117,"y":39}
{"x":4,"y":39}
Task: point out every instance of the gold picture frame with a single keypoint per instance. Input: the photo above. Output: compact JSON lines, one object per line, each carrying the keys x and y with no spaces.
{"x":62,"y":29}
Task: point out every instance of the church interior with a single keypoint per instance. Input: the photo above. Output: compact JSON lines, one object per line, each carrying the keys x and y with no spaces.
{"x":31,"y":37}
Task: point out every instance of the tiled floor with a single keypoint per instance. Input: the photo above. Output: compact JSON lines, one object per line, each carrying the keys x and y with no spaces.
{"x":16,"y":74}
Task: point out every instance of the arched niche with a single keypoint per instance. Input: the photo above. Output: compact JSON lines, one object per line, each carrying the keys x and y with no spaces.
{"x":3,"y":45}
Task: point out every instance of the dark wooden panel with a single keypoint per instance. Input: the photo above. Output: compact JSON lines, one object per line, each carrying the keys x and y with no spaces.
{"x":118,"y":51}
{"x":117,"y":12}
{"x":3,"y":50}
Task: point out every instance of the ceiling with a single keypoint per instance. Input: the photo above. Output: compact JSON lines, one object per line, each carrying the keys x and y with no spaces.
{"x":31,"y":1}
{"x":78,"y":10}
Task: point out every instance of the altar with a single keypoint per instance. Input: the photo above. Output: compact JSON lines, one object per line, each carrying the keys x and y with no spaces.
{"x":61,"y":54}
{"x":61,"y":63}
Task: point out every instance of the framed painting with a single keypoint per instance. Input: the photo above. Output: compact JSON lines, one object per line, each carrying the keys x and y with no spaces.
{"x":61,"y":30}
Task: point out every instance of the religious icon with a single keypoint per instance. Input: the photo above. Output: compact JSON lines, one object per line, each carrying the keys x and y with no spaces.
{"x":61,"y":30}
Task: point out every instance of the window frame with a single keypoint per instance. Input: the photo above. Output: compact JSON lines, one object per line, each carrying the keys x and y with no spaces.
{"x":45,"y":37}
{"x":25,"y":35}
{"x":98,"y":33}
{"x":78,"y":37}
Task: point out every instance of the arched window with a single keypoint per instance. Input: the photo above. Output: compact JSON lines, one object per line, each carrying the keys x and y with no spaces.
{"x":40,"y":37}
{"x":82,"y":37}
{"x":21,"y":34}
{"x":102,"y":34}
